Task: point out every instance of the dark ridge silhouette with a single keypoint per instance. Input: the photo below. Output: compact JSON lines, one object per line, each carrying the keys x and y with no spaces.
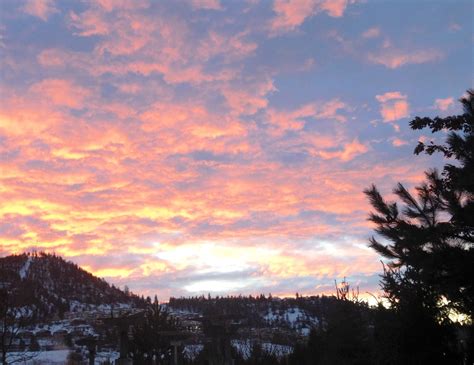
{"x":53,"y":286}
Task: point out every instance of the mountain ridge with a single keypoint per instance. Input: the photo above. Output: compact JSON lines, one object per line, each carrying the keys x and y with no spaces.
{"x":51,"y":286}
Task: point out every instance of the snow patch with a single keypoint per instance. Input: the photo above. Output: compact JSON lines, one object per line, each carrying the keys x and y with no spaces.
{"x":245,"y":347}
{"x":55,"y":357}
{"x":24,"y":270}
{"x":294,"y":318}
{"x":103,"y":356}
{"x":190,"y":352}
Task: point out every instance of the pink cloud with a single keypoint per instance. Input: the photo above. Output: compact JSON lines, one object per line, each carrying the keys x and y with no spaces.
{"x":89,"y":23}
{"x":454,"y":27}
{"x":349,"y":151}
{"x":397,"y":142}
{"x":111,"y":5}
{"x":308,"y":64}
{"x":393,"y":58}
{"x":371,"y":33}
{"x":52,"y":57}
{"x":292,"y":13}
{"x":176,"y":151}
{"x":42,"y":9}
{"x":329,"y":110}
{"x":165,"y":115}
{"x":335,"y":8}
{"x":128,"y":31}
{"x":247,"y":101}
{"x":296,"y":119}
{"x":135,"y":43}
{"x":394,"y":106}
{"x":231,"y":47}
{"x":120,"y":109}
{"x":121,"y":217}
{"x":162,"y":45}
{"x":444,"y":104}
{"x":61,"y":92}
{"x":196,"y":75}
{"x":129,"y":88}
{"x":20,"y":117}
{"x":129,"y":35}
{"x":183,"y":128}
{"x":206,"y":4}
{"x":390,"y":96}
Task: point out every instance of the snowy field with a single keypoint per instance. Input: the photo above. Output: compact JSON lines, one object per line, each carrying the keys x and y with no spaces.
{"x":42,"y":357}
{"x":55,"y":357}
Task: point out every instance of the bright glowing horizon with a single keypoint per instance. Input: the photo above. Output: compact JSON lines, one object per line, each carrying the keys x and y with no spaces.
{"x":217,"y":146}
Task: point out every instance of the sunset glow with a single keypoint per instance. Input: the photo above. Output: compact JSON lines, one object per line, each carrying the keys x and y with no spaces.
{"x":187,"y":147}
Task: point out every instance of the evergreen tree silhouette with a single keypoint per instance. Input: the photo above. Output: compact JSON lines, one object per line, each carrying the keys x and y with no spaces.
{"x":428,"y":244}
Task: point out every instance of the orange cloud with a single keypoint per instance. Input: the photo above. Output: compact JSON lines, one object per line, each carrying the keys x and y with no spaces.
{"x":109,"y":272}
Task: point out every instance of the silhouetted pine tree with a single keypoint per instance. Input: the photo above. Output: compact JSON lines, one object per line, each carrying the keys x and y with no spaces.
{"x":148,"y":340}
{"x":430,"y":249}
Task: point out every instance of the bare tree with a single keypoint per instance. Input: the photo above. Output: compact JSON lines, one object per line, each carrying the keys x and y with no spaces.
{"x":345,"y":292}
{"x":13,"y":319}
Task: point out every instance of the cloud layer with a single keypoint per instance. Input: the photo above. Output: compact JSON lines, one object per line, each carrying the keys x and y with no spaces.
{"x":206,"y":145}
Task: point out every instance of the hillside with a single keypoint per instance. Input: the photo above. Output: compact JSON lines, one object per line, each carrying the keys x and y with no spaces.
{"x":68,"y":310}
{"x":52,"y":286}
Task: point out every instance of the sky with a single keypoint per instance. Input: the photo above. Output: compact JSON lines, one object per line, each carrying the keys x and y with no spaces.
{"x":205,"y":146}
